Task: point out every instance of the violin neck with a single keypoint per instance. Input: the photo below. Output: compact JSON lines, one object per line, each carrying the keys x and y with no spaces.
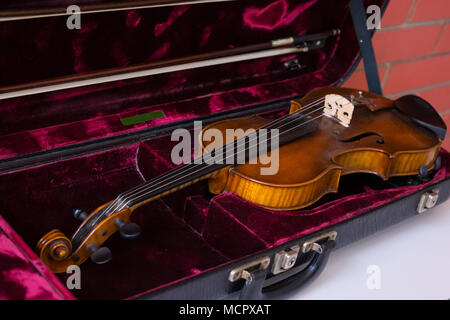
{"x":290,"y":128}
{"x":167,"y":183}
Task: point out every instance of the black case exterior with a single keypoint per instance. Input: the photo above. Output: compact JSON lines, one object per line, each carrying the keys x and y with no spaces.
{"x":216,"y":285}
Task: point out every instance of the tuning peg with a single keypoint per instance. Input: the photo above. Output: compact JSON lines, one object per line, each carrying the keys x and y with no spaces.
{"x":99,"y":255}
{"x":128,"y":230}
{"x":423,"y":172}
{"x":79,"y":214}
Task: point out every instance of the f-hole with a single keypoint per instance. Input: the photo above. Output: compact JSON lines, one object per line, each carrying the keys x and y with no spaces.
{"x":360,"y":136}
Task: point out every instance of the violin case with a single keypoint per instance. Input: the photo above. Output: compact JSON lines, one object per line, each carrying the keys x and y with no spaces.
{"x":70,"y":148}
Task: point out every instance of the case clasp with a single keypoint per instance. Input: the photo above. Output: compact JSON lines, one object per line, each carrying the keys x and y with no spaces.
{"x":285,"y":259}
{"x":428,"y":200}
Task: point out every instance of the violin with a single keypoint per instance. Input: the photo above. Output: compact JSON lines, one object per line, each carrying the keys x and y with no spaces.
{"x":328,"y":133}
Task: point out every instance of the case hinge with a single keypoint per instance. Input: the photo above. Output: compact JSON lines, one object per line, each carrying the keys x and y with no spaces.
{"x":314,"y":243}
{"x":243,"y":272}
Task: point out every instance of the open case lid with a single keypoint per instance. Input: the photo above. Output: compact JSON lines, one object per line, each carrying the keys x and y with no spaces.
{"x":119,"y":37}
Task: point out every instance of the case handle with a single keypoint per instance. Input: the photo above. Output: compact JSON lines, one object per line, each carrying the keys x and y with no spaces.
{"x":253,"y":287}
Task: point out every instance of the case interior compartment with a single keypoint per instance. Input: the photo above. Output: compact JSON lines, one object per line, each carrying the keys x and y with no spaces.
{"x":184,"y":234}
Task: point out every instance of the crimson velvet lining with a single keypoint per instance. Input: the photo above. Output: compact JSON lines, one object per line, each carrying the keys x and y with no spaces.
{"x":22,"y":273}
{"x":18,"y":278}
{"x":40,"y":49}
{"x":184,"y":234}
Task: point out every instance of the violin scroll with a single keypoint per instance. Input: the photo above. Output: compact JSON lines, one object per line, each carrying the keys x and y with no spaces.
{"x":54,"y":246}
{"x":58,"y":252}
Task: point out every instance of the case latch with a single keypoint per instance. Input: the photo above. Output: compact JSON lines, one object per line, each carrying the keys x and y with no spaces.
{"x":285,"y":259}
{"x":428,"y":200}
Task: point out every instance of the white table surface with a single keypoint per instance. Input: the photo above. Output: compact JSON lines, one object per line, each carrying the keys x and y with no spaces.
{"x":412,"y":257}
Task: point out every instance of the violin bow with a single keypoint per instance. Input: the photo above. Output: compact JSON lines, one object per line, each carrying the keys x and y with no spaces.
{"x":284,"y":46}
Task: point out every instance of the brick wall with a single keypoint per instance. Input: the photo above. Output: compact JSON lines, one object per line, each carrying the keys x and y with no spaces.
{"x":413,"y":53}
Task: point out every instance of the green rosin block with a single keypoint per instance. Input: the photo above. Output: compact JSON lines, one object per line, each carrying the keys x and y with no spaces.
{"x":142,"y":117}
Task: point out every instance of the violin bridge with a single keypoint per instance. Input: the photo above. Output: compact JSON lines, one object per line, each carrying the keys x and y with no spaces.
{"x":338,"y":108}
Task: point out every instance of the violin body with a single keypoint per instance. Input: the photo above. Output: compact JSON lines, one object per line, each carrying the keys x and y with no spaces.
{"x":388,"y":143}
{"x":355,"y":132}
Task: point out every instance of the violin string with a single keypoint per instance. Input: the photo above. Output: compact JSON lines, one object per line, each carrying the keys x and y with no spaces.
{"x":116,"y":206}
{"x":119,"y":205}
{"x":191,"y":173}
{"x":271,"y":124}
{"x":123,"y":202}
{"x":83,"y":231}
{"x":153,"y":189}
